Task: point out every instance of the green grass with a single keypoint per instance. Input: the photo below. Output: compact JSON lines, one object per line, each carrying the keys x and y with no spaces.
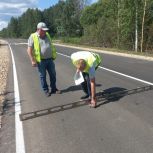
{"x":78,"y":42}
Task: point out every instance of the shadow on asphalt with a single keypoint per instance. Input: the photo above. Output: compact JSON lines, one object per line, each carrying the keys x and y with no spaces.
{"x":71,"y":88}
{"x":6,"y":93}
{"x":75,"y":88}
{"x":7,"y":99}
{"x":107,"y":96}
{"x":9,"y":102}
{"x":110,"y":95}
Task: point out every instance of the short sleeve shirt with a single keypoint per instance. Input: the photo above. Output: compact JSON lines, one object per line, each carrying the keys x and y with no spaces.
{"x":45,"y":46}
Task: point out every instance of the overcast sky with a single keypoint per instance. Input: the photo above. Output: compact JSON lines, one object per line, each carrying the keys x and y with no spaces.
{"x":15,"y":8}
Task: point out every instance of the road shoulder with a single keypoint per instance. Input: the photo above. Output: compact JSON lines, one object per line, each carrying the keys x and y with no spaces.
{"x":4,"y":68}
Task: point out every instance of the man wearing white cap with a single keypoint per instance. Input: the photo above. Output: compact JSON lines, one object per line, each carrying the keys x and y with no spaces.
{"x":42,"y":53}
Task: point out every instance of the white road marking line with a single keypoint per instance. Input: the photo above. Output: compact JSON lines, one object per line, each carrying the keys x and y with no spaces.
{"x":64,"y":55}
{"x":128,"y":76}
{"x":137,"y":79}
{"x":20,"y":146}
{"x":19,"y":44}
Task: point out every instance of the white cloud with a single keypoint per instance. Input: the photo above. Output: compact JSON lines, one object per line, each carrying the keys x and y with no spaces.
{"x":3,"y":24}
{"x":9,"y":14}
{"x":11,"y":5}
{"x":9,"y":8}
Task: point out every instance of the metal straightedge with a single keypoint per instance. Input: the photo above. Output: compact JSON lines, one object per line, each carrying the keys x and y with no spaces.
{"x":104,"y":97}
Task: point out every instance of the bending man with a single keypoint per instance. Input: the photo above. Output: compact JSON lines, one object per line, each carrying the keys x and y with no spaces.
{"x":87,"y":63}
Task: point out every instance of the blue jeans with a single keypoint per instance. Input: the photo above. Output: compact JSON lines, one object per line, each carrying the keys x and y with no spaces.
{"x":47,"y":65}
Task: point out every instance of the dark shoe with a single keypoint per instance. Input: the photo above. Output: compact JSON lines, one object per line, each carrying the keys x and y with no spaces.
{"x":56,"y":91}
{"x":85,"y":96}
{"x":47,"y":94}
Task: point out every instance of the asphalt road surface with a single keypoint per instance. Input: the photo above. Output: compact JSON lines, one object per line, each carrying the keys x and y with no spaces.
{"x":122,"y":124}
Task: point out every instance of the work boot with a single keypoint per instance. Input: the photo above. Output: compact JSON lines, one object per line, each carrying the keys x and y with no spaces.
{"x":85,"y":96}
{"x":56,"y":91}
{"x":47,"y":94}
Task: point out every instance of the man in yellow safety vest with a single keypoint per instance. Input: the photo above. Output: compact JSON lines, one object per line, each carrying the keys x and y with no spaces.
{"x":87,"y":62}
{"x":42,"y":53}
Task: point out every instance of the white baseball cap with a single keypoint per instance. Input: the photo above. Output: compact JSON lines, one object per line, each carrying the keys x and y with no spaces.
{"x":42,"y":25}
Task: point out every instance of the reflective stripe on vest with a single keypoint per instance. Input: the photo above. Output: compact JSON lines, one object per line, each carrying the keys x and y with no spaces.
{"x":37,"y":47}
{"x":98,"y":59}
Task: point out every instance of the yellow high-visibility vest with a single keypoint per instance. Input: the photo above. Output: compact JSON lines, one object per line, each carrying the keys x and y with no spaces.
{"x":89,"y":57}
{"x":37,"y":47}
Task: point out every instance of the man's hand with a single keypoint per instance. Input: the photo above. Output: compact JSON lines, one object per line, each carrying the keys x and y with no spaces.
{"x":30,"y":53}
{"x":93,"y":102}
{"x":34,"y":64}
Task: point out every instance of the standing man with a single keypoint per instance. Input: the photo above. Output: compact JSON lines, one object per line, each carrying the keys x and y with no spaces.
{"x":87,"y":63}
{"x":42,"y":53}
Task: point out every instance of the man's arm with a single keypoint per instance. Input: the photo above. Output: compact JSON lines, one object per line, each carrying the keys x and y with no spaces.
{"x":30,"y":53}
{"x":93,"y":86}
{"x":93,"y":90}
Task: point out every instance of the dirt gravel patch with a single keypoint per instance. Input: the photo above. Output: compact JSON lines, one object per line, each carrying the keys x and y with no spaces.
{"x":4,"y":67}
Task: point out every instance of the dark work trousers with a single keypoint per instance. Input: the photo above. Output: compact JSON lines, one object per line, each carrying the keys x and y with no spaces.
{"x":86,"y":87}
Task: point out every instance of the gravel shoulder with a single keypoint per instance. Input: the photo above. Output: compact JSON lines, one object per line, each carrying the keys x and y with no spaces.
{"x":4,"y":67}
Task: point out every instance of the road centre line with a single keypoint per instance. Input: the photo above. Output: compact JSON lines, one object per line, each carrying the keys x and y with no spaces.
{"x":20,"y":146}
{"x":127,"y":76}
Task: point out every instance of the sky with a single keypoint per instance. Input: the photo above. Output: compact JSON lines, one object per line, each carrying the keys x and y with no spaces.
{"x":15,"y":8}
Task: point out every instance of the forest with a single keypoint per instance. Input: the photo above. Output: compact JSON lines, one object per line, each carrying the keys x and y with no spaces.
{"x":120,"y":24}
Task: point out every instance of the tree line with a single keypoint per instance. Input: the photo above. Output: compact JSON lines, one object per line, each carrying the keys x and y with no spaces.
{"x":122,"y":24}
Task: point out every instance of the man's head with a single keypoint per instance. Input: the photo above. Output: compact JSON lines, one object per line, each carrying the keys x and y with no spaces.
{"x":41,"y":29}
{"x":81,"y":65}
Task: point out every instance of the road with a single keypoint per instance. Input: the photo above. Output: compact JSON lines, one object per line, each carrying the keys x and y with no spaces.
{"x":118,"y":125}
